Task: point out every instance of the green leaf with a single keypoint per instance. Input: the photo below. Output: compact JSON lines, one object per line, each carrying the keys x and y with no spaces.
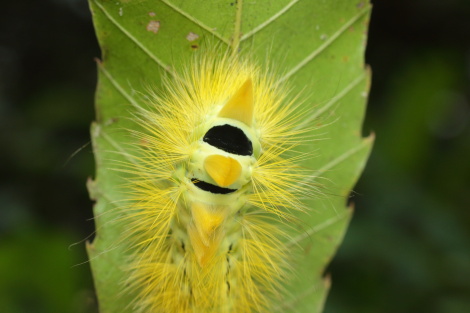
{"x":319,"y":47}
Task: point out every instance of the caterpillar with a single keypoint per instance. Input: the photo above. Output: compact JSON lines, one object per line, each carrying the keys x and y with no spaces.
{"x":214,"y":185}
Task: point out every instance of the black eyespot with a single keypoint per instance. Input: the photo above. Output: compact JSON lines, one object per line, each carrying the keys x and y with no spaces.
{"x":211,"y":188}
{"x":230,"y":139}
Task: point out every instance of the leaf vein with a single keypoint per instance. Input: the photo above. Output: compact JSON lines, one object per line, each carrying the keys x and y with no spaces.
{"x":118,"y":148}
{"x":330,"y":221}
{"x":333,"y":100}
{"x":269,"y":21}
{"x":118,"y":87}
{"x":327,"y":42}
{"x":289,"y":304}
{"x":196,"y":21}
{"x":237,"y":27}
{"x":364,"y":144}
{"x":135,"y":40}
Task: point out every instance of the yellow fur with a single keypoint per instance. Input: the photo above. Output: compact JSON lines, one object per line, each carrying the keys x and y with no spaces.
{"x":203,"y":259}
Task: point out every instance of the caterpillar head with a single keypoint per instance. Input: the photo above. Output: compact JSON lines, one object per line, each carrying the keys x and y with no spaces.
{"x":227,"y":152}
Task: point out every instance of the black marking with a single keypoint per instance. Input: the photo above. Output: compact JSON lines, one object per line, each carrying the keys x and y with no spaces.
{"x":228,"y":264}
{"x":230,"y":139}
{"x":211,"y":188}
{"x":228,"y":287}
{"x":182,"y":246}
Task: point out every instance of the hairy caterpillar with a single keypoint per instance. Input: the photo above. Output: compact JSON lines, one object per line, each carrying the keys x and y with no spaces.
{"x":214,"y":185}
{"x":264,"y":244}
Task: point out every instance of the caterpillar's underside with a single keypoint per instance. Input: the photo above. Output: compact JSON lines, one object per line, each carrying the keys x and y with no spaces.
{"x":216,"y":180}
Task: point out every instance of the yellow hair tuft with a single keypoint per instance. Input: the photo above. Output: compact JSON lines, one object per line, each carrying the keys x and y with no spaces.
{"x":215,"y":181}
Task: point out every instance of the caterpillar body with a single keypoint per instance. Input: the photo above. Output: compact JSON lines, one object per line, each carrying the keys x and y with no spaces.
{"x":216,"y":179}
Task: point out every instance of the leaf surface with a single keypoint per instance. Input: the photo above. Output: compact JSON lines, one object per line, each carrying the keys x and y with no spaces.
{"x":317,"y":46}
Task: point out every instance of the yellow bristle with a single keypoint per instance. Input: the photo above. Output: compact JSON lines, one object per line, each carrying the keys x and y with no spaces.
{"x":204,"y":257}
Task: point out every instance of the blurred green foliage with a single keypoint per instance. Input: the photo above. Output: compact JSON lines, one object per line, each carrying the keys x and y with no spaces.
{"x":47,"y":81}
{"x":408,"y":246}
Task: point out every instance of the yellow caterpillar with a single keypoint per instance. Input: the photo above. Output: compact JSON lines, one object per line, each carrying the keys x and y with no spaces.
{"x":216,"y":178}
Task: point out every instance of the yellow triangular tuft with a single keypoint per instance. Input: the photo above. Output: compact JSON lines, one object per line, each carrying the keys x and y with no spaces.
{"x":223,"y":170}
{"x":240,"y":106}
{"x":204,"y":233}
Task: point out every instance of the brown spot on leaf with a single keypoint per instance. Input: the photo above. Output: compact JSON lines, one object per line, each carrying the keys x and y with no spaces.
{"x":192,"y":36}
{"x":153,"y":26}
{"x":111,"y":121}
{"x":144,"y":142}
{"x":307,"y":249}
{"x":152,"y":14}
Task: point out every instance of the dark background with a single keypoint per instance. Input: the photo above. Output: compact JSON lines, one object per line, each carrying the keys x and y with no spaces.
{"x":408,"y":246}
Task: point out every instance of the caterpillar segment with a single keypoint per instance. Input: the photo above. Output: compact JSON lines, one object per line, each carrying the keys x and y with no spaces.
{"x":214,"y":193}
{"x":218,"y":179}
{"x":219,"y":170}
